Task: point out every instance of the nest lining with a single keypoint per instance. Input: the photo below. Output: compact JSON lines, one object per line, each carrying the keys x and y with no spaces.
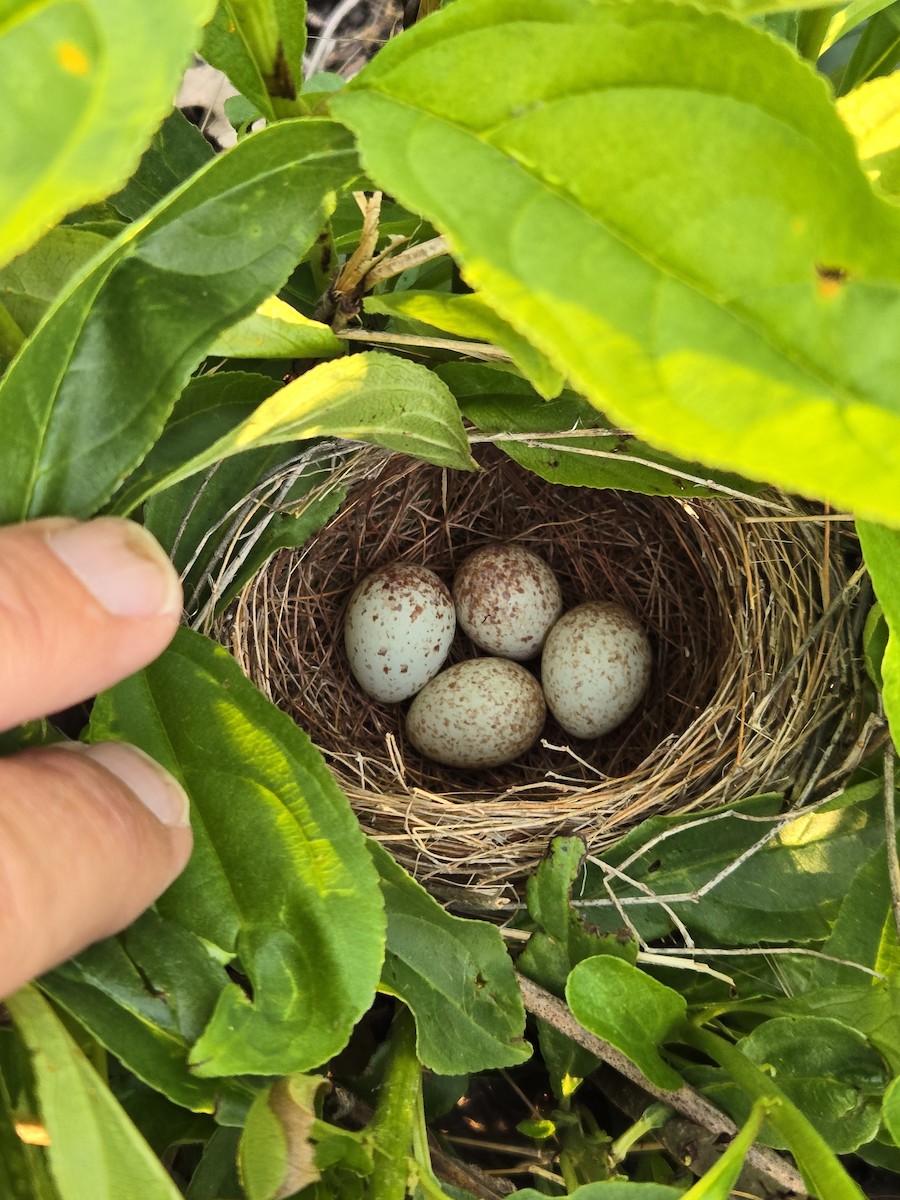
{"x":755,"y":670}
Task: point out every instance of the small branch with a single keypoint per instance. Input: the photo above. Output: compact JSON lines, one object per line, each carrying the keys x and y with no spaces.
{"x":412,"y":257}
{"x":694,"y":1106}
{"x":481,"y":350}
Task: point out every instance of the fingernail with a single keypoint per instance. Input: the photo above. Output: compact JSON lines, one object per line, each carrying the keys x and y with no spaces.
{"x":123,"y":567}
{"x":152,"y":784}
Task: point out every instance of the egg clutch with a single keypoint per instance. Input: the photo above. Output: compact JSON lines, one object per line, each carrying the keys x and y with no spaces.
{"x":486,"y":711}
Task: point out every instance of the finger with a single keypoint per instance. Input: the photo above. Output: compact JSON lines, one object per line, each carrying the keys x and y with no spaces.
{"x":82,"y":605}
{"x":88,"y":839}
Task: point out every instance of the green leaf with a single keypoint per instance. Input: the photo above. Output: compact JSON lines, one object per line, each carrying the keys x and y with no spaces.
{"x":788,"y":891}
{"x":828,"y":1070}
{"x":89,"y":393}
{"x":146,"y":996}
{"x":738,"y":302}
{"x":24,"y":1171}
{"x":872,"y":1009}
{"x":276,"y":330}
{"x":94,"y":1149}
{"x":216,"y":1175}
{"x":372,"y":397}
{"x":881,"y":550}
{"x":31,"y":282}
{"x":259,"y":45}
{"x":875,"y":640}
{"x":890,"y":1109}
{"x":177,"y":151}
{"x":719,"y":1180}
{"x":499,"y":403}
{"x":276,"y":1157}
{"x":455,"y":976}
{"x":630,"y":1010}
{"x":872,"y":114}
{"x":82,"y":87}
{"x":877,"y":51}
{"x":468,"y":316}
{"x":847,"y":17}
{"x":864,"y":932}
{"x":280,"y":876}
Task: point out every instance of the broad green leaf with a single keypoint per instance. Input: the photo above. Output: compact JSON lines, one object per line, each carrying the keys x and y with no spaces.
{"x":216,"y":1175}
{"x":864,"y":932}
{"x":178,"y":150}
{"x":499,"y":403}
{"x":561,"y":941}
{"x":468,"y":316}
{"x":90,"y":392}
{"x":829,"y":1071}
{"x":371,"y":397}
{"x":871,"y":1008}
{"x":872,"y":114}
{"x":276,"y":330}
{"x":877,"y":51}
{"x":31,"y":282}
{"x":875,"y":640}
{"x":738,"y":302}
{"x":890,"y":1109}
{"x":280,"y":876}
{"x":83,"y":85}
{"x":630,"y":1010}
{"x":719,"y":1180}
{"x":276,"y":1157}
{"x":24,"y":1171}
{"x":455,"y":976}
{"x":881,"y":550}
{"x":849,"y":16}
{"x":789,"y":890}
{"x":208,"y":408}
{"x":94,"y":1149}
{"x":259,"y":45}
{"x":146,"y":996}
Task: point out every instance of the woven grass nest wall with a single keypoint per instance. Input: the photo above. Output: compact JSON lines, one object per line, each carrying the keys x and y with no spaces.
{"x":745,"y":602}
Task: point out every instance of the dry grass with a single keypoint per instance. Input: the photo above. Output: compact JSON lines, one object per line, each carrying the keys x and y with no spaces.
{"x":755,"y":677}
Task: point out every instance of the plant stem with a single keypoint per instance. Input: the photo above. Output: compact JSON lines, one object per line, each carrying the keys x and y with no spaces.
{"x":545,"y":1005}
{"x":812,"y":26}
{"x":816,"y":1160}
{"x":391,"y":1130}
{"x":11,"y":337}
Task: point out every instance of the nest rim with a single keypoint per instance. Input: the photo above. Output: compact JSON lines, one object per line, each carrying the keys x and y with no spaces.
{"x":772,"y":720}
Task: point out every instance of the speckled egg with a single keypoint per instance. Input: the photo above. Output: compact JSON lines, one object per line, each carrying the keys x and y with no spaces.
{"x":480,"y":713}
{"x":397,"y":632}
{"x":507,"y":599}
{"x":595,"y":668}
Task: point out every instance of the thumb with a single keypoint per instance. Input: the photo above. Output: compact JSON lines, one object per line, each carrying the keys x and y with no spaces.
{"x":89,"y":837}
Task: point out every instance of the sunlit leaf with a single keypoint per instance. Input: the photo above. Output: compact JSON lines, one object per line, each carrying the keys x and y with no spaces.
{"x":738,"y":302}
{"x":280,"y":876}
{"x":83,"y":84}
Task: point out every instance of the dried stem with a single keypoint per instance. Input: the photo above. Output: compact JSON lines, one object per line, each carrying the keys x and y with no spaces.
{"x":547,"y":1007}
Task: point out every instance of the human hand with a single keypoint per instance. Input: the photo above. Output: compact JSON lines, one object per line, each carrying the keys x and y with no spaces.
{"x":89,"y":835}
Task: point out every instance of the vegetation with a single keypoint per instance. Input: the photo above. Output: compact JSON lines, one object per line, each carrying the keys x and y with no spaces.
{"x":668,"y":208}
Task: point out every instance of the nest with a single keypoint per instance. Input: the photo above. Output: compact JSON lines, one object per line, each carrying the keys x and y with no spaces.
{"x":747,"y":603}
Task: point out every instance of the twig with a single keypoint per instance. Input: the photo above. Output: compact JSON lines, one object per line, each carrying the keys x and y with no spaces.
{"x":546,"y":1006}
{"x":472,"y":349}
{"x":414,"y":256}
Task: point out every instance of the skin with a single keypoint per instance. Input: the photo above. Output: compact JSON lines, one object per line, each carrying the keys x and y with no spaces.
{"x":81,"y":855}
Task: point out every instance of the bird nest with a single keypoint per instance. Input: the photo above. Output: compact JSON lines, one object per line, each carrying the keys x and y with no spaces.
{"x":746,"y":601}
